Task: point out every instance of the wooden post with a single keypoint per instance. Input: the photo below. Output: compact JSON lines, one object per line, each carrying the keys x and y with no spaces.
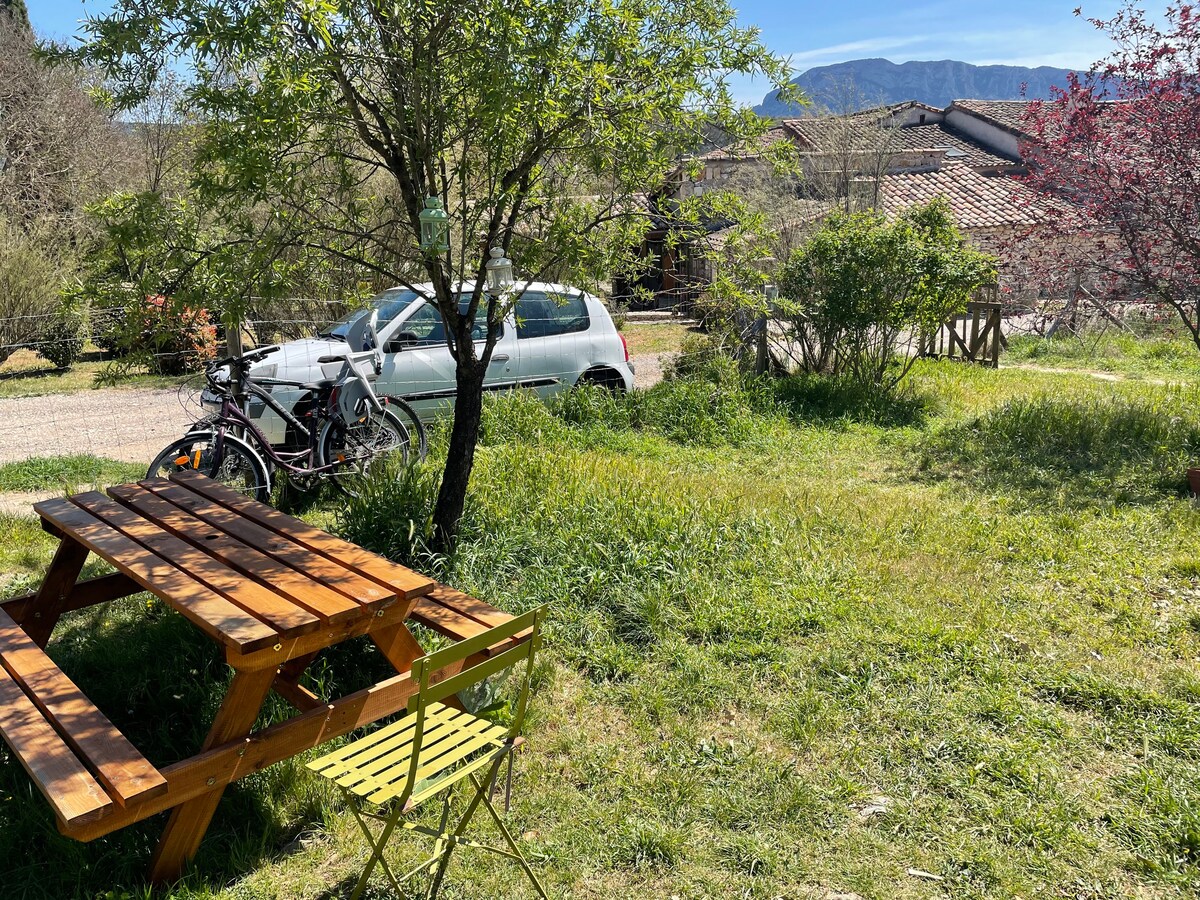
{"x":761,"y":353}
{"x":996,"y":336}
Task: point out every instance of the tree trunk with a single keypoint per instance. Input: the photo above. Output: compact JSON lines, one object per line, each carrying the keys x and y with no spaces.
{"x":460,"y":456}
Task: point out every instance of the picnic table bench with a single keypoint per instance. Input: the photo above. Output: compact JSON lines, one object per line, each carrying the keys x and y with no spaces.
{"x":269,"y":589}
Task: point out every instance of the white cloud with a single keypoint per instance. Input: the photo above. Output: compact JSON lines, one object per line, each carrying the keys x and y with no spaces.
{"x":851,"y":50}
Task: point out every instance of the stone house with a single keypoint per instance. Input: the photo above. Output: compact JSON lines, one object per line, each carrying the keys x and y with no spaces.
{"x":888,"y":158}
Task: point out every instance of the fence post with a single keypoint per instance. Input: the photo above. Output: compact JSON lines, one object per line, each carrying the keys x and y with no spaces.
{"x":997,"y":336}
{"x":762,"y":356}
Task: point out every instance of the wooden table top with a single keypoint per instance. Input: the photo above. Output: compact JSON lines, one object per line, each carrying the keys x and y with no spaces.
{"x":246,"y":574}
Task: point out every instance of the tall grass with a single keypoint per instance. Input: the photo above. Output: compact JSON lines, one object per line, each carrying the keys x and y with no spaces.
{"x":781,"y":664}
{"x":1085,"y":448}
{"x":1166,"y":355}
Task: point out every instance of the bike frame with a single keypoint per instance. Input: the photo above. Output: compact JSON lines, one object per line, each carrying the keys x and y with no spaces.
{"x":231,"y":412}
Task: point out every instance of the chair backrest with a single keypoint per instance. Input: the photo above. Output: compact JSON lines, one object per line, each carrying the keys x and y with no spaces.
{"x":428,"y":666}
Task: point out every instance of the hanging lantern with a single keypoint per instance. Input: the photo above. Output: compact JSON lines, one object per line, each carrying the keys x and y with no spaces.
{"x":435,"y":227}
{"x":499,"y":272}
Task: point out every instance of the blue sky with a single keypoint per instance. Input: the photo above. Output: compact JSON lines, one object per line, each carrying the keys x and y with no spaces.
{"x":1017,"y":32}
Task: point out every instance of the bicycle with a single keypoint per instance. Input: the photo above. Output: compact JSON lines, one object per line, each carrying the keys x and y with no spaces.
{"x":348,"y":431}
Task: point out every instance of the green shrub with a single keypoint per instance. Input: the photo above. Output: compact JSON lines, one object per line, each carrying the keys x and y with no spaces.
{"x":30,"y":279}
{"x":863,"y":281}
{"x":167,"y":334}
{"x":702,"y":356}
{"x":62,"y":342}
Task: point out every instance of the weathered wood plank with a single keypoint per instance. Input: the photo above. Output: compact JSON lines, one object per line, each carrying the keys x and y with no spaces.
{"x":262,"y":603}
{"x":186,"y":826}
{"x":236,"y":759}
{"x":51,"y":600}
{"x":211,"y":613}
{"x":76,"y":797}
{"x":336,"y":575}
{"x":101,"y":589}
{"x":291,"y":648}
{"x":286,"y":584}
{"x":106,"y":752}
{"x":404,"y":582}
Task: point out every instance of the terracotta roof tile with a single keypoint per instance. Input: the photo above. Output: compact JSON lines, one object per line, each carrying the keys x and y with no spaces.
{"x":816,"y":135}
{"x":1008,"y":114}
{"x":976,"y":201}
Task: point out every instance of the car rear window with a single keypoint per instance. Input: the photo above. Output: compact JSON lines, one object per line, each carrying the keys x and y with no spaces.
{"x":546,"y":315}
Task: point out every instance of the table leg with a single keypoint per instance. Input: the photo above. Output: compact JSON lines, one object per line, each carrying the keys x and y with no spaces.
{"x":399,"y":646}
{"x":287,"y":683}
{"x":51,"y":598}
{"x":189,"y":821}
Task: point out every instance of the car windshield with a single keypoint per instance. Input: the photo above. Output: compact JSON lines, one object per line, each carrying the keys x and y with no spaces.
{"x":390,"y":304}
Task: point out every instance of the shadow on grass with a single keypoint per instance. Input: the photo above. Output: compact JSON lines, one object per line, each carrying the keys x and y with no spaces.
{"x":1072,"y":451}
{"x":160,"y":681}
{"x":827,"y":399}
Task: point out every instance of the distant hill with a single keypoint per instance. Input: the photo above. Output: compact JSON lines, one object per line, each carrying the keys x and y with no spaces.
{"x":874,"y":81}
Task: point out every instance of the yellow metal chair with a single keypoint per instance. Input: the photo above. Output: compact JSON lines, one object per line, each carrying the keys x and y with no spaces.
{"x":434,"y":747}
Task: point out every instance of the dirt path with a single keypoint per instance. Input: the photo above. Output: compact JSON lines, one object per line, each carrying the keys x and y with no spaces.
{"x":648,"y":368}
{"x":128,"y":424}
{"x":1092,"y":373}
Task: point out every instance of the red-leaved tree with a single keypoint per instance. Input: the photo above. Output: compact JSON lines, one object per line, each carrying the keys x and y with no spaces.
{"x":1121,"y":144}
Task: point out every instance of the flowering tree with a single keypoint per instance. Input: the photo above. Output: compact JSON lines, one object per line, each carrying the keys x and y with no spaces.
{"x":1122,"y":145}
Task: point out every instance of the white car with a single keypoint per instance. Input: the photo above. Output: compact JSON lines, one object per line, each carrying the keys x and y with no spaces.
{"x":554,"y":338}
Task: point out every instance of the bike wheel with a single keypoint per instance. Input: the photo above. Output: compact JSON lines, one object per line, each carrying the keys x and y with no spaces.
{"x":362,"y":450}
{"x":236,"y":465}
{"x":417,"y":436}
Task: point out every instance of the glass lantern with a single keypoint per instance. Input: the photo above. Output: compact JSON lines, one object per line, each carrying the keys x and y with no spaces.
{"x":435,"y":227}
{"x":499,"y":272}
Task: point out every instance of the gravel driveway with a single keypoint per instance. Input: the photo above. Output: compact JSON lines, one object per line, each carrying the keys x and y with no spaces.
{"x":129,"y":424}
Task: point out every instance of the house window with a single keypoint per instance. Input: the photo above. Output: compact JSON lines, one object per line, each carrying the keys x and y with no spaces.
{"x":922,"y":121}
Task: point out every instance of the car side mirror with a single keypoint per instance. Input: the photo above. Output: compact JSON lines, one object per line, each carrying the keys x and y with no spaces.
{"x":402,"y":341}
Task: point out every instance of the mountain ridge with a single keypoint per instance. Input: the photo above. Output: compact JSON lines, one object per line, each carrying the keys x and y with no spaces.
{"x":859,"y":83}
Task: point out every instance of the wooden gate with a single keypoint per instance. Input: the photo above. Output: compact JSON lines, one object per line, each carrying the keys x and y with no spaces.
{"x":974,"y":336}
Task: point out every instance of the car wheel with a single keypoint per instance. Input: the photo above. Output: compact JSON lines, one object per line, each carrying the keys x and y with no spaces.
{"x":603,"y":377}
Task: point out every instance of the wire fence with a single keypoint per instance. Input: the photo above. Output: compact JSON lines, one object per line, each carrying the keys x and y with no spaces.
{"x":126,"y":408}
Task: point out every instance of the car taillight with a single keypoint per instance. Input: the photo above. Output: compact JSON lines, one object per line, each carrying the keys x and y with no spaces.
{"x":624,"y":345}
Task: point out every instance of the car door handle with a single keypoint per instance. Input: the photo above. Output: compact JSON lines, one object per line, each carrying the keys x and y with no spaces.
{"x":503,"y":357}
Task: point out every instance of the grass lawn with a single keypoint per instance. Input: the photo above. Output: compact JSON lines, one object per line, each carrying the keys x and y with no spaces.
{"x":66,"y":473}
{"x":25,"y":374}
{"x":1166,"y":357}
{"x":654,"y":337}
{"x":941,"y":648}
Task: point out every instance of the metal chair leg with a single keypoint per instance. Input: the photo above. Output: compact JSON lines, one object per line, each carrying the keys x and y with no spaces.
{"x":516,"y":851}
{"x":377,"y":847}
{"x":458,"y":832}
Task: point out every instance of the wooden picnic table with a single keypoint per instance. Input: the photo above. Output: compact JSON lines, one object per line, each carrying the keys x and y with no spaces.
{"x":271,"y":590}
